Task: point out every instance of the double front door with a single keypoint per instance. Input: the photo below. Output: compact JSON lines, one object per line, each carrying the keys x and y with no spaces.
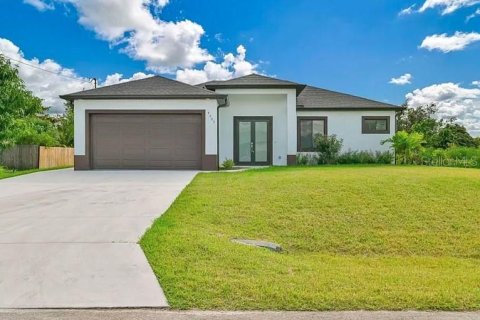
{"x":253,"y":141}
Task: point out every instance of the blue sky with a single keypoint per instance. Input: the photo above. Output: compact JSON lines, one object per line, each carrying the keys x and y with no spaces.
{"x":346,"y":45}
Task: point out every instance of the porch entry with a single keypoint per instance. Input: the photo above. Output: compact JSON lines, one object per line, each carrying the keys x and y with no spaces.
{"x":252,"y":141}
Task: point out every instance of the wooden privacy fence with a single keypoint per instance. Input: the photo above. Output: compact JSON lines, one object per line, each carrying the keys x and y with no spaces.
{"x":51,"y":157}
{"x":22,"y":157}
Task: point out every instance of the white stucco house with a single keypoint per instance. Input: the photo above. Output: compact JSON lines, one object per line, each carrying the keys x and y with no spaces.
{"x":159,"y":123}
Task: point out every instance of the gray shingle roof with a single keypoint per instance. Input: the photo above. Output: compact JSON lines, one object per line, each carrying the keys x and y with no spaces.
{"x":252,"y":81}
{"x":153,"y":87}
{"x":157,"y":87}
{"x":312,"y":97}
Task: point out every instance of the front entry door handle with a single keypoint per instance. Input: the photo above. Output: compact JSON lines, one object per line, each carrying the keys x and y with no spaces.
{"x":251,"y":147}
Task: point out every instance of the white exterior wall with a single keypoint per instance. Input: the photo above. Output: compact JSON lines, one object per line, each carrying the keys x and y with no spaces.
{"x":209,"y":105}
{"x":277,"y":103}
{"x":280,"y":104}
{"x":348,"y":126}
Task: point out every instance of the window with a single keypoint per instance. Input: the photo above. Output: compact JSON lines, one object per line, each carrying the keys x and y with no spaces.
{"x":307,"y":129}
{"x":375,"y":124}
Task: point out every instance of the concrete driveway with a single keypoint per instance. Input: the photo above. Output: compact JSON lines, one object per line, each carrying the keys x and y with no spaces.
{"x":68,"y":239}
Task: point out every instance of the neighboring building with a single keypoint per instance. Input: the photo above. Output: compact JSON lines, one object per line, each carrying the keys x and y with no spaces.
{"x":159,"y":123}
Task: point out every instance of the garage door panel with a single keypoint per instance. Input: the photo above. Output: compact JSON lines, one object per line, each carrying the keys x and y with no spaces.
{"x":109,"y":150}
{"x":110,"y":153}
{"x":132,"y":134}
{"x":162,"y":141}
{"x":146,"y":141}
{"x":186,"y":119}
{"x":161,"y":144}
{"x":185,"y":137}
{"x":134,"y":154}
{"x":159,"y":164}
{"x":108,"y":164}
{"x":184,"y":164}
{"x":160,"y":153}
{"x":184,"y":154}
{"x":182,"y":144}
{"x":134,"y":164}
{"x":166,"y":130}
{"x":189,"y":127}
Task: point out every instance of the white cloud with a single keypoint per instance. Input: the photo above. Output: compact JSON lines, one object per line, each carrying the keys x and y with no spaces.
{"x":118,"y":78}
{"x":446,"y":43}
{"x":45,"y":85}
{"x":407,"y":11}
{"x":476,"y":83}
{"x":40,"y":5}
{"x":448,"y":6}
{"x":57,"y":80}
{"x":166,"y":47}
{"x":452,"y":100}
{"x":162,"y":3}
{"x":402,"y":80}
{"x":134,"y":26}
{"x":473,"y":15}
{"x":231,"y":66}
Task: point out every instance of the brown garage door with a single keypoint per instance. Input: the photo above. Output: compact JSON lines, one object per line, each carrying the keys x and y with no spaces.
{"x":146,"y":141}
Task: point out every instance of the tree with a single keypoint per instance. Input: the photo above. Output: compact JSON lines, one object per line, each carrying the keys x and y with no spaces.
{"x":65,"y":126}
{"x":35,"y":130}
{"x":454,"y":134}
{"x":477,"y":141}
{"x":438,"y":133}
{"x":407,"y":146}
{"x":21,"y":112}
{"x":410,"y":119}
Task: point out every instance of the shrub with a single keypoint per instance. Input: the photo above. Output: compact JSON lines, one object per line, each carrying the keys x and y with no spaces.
{"x":228,"y":164}
{"x":385,"y":157}
{"x":328,"y":148}
{"x":407,"y":146}
{"x":451,"y":157}
{"x":307,"y":159}
{"x":365,"y":157}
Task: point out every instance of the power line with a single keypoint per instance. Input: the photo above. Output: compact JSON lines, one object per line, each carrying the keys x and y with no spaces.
{"x":49,"y":71}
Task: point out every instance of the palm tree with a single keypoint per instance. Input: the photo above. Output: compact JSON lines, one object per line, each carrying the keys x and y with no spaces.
{"x":406,"y":145}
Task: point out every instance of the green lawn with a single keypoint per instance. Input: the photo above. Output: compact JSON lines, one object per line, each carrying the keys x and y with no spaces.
{"x":354,"y":238}
{"x":7,"y":173}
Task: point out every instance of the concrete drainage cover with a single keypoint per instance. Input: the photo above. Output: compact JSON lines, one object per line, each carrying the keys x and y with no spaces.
{"x":259,"y":243}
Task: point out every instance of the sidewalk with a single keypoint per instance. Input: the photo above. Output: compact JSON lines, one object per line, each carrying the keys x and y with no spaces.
{"x":150,"y":314}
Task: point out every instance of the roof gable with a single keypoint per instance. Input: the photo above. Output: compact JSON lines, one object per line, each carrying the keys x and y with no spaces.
{"x":152,"y":87}
{"x":252,"y":81}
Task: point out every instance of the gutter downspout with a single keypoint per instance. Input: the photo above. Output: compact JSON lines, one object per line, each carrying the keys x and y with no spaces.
{"x":221,"y":105}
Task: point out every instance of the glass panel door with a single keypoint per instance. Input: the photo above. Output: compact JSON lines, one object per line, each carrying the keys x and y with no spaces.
{"x":261,"y":141}
{"x":245,"y":141}
{"x":252,"y":141}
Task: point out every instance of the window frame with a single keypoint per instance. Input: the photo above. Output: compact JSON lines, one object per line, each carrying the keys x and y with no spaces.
{"x":365,"y":129}
{"x":299,"y":136}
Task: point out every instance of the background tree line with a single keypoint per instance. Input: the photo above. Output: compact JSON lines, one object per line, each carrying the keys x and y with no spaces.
{"x":423,"y":138}
{"x":23,"y":118}
{"x":437,"y":133}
